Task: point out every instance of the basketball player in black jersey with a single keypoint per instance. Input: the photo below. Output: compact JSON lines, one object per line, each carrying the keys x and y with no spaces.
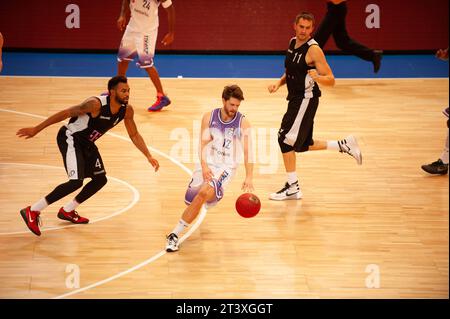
{"x":76,"y":141}
{"x":306,"y":68}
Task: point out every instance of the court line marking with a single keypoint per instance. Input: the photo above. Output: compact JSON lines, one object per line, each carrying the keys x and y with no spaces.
{"x":136,"y":197}
{"x":155,"y":257}
{"x":138,"y":266}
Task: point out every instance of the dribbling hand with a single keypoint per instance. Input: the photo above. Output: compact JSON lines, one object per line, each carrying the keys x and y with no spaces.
{"x":247,"y":186}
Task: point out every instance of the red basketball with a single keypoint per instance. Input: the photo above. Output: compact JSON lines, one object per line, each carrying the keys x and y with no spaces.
{"x":248,"y":205}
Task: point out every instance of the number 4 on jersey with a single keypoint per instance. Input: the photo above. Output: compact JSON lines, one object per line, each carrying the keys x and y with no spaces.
{"x":98,"y":163}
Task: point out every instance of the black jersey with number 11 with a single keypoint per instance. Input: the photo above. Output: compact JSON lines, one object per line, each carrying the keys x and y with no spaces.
{"x":298,"y":81}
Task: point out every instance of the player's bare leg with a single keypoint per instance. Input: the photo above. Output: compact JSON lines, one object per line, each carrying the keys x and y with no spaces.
{"x":154,"y":76}
{"x":206,"y":193}
{"x":122,"y":67}
{"x":161,"y":99}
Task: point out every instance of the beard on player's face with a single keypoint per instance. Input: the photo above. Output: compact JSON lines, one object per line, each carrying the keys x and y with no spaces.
{"x":122,"y":100}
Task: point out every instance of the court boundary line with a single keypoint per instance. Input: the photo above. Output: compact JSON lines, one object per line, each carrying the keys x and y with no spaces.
{"x":155,"y":257}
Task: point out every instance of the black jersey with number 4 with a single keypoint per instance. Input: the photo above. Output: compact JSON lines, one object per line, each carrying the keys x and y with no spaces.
{"x":86,"y":129}
{"x":298,"y":81}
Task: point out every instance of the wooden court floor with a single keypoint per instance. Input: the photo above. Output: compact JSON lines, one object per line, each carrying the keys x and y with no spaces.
{"x":379,"y":230}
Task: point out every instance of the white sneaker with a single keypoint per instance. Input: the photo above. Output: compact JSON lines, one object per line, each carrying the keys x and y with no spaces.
{"x":287,"y":192}
{"x":172,"y":243}
{"x":350,"y":146}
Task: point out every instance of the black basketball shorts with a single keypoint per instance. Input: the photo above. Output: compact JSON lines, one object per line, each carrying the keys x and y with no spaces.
{"x":80,"y":160}
{"x":296,"y":131}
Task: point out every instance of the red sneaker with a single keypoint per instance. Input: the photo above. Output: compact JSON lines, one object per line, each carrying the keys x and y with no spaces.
{"x":161,"y":101}
{"x":72,"y":217}
{"x":32,"y":219}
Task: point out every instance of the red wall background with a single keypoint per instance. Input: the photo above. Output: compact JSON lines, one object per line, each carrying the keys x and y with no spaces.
{"x":243,"y":25}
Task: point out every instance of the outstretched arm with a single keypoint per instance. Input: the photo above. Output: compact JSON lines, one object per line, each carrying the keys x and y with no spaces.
{"x":170,"y":36}
{"x":136,"y":138}
{"x":247,"y":186}
{"x":91,"y":105}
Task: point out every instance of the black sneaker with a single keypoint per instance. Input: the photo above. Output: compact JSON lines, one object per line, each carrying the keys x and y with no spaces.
{"x":436,"y":168}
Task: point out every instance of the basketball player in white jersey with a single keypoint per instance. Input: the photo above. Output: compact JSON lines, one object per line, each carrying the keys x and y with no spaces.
{"x":88,"y":122}
{"x":305,"y":68}
{"x":140,"y":39}
{"x":225,"y":132}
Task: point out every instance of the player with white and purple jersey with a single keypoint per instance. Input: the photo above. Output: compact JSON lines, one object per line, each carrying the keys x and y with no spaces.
{"x":139,"y":39}
{"x":225,"y":137}
{"x":222,"y":155}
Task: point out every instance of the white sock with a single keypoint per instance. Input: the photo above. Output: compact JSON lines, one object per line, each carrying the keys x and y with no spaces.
{"x":333,"y":145}
{"x":292,"y":177}
{"x":39,"y":205}
{"x":444,"y":157}
{"x":70,"y":206}
{"x":182,"y":225}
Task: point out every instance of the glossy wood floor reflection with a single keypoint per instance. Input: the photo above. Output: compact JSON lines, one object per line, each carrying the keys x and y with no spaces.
{"x":379,"y":230}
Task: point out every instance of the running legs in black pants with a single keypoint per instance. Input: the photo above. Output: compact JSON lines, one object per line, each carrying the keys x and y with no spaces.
{"x":334,"y":24}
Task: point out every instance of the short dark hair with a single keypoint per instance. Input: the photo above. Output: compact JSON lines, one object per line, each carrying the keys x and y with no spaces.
{"x":113,"y":82}
{"x":232,"y":91}
{"x":306,"y":16}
